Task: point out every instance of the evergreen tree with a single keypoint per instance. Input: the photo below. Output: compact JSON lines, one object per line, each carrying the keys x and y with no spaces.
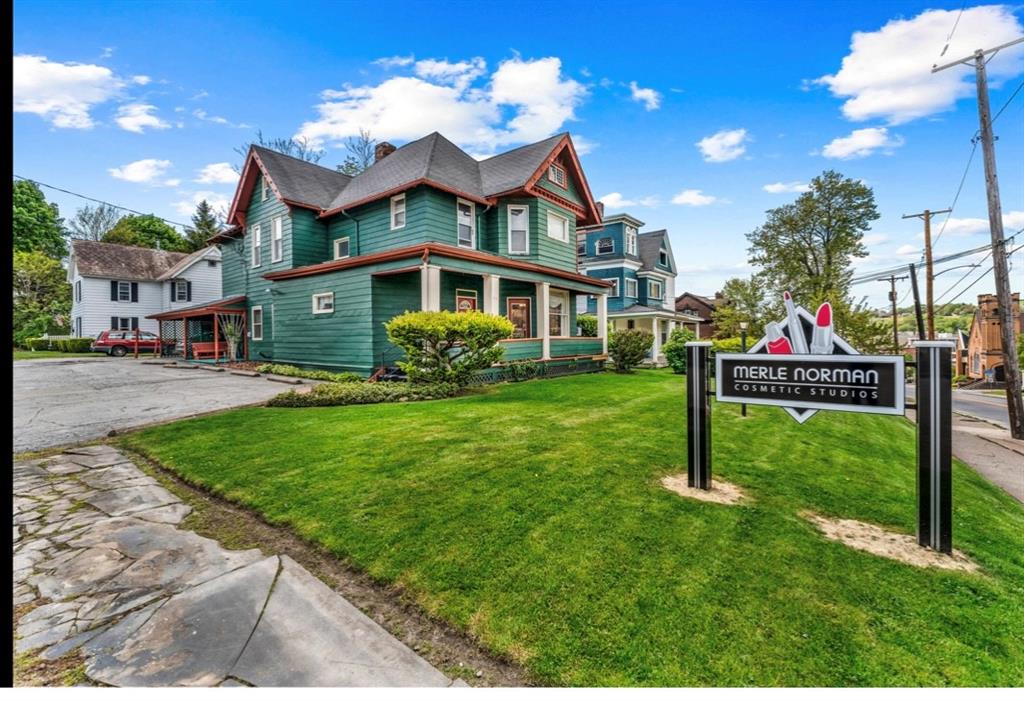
{"x":205,"y":224}
{"x":36,"y":224}
{"x":147,"y":231}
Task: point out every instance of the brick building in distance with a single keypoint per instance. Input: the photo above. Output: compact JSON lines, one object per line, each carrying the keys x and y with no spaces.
{"x":984,"y":347}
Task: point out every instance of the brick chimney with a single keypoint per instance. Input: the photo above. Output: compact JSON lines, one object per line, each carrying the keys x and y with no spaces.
{"x":600,"y":210}
{"x":382,"y":149}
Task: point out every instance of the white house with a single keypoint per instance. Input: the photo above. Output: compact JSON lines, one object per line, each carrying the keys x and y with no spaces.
{"x":118,"y":287}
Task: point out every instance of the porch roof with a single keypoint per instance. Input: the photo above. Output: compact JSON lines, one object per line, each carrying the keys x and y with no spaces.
{"x":645,"y":311}
{"x":227,"y":304}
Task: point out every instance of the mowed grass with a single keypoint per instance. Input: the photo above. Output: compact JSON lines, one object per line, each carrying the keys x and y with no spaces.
{"x":23,"y":355}
{"x":531,"y":516}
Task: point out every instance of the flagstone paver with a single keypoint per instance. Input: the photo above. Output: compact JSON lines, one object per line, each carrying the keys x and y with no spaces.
{"x":99,"y":552}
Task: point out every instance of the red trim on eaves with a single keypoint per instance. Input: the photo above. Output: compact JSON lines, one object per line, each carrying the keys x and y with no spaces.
{"x":402,"y":188}
{"x":425,"y":250}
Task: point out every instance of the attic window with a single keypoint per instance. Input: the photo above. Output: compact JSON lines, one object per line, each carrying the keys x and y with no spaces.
{"x":556,"y":174}
{"x":663,"y":257}
{"x":631,"y":240}
{"x":263,"y":188}
{"x":605,"y":245}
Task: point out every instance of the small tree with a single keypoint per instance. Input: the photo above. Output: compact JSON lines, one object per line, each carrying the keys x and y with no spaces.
{"x":91,"y":223}
{"x":42,"y":295}
{"x":361,"y":153}
{"x":447,"y":347}
{"x":628,"y":347}
{"x":36,"y":224}
{"x":147,"y":231}
{"x":675,"y":348}
{"x":231,"y":326}
{"x":587,"y":324}
{"x":205,"y":223}
{"x":299,"y":147}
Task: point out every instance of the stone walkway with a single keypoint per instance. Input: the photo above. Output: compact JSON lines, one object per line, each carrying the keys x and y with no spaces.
{"x":98,"y":551}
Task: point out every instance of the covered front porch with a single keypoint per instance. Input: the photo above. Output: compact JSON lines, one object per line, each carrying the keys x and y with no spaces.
{"x":204,"y":332}
{"x":659,"y":322}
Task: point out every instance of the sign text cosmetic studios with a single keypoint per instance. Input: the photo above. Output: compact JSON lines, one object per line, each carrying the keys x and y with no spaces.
{"x":802,"y":366}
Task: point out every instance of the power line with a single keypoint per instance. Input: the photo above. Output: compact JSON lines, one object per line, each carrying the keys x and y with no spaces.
{"x":1007,"y":103}
{"x":102,"y":202}
{"x":949,"y":37}
{"x":960,"y":188}
{"x":989,"y":270}
{"x":869,"y":277}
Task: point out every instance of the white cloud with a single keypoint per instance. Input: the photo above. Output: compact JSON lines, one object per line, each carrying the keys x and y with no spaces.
{"x":217,"y":173}
{"x":220,"y":203}
{"x":874,"y":239}
{"x":694,"y":198}
{"x":205,"y":116}
{"x":861,"y":143}
{"x":148,"y":171}
{"x":650,"y":97}
{"x":172,"y":182}
{"x":138,"y":116}
{"x":967,"y":226}
{"x":141,"y":80}
{"x":108,"y":51}
{"x":907,"y":250}
{"x":724,"y":145}
{"x":615,"y":201}
{"x":794,"y":186}
{"x":200,"y":95}
{"x":394,"y":61}
{"x":442,"y":97}
{"x":62,"y":93}
{"x":583,"y":144}
{"x":887,"y":73}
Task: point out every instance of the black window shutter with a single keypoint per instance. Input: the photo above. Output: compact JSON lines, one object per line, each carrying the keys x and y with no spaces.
{"x":135,"y":292}
{"x":113,"y":291}
{"x":173,"y":285}
{"x":135,"y":323}
{"x":113,"y":322}
{"x":188,"y":293}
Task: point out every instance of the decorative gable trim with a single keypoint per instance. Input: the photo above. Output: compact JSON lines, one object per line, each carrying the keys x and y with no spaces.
{"x":588,"y":213}
{"x":247,"y":185}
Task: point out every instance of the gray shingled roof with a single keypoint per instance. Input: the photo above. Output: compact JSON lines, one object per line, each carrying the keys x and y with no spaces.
{"x":97,"y":259}
{"x":513,"y":168}
{"x":301,"y":181}
{"x":649,"y":247}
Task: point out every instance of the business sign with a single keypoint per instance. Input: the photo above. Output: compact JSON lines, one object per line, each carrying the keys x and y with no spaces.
{"x":803,"y":366}
{"x":853,"y":383}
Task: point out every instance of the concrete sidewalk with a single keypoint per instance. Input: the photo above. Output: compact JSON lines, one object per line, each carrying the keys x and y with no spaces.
{"x":102,"y":568}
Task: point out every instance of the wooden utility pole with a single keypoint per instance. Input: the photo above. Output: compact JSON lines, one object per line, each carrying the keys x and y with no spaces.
{"x":917,"y":302}
{"x":895,"y":313}
{"x":928,"y":268}
{"x":1011,"y":367}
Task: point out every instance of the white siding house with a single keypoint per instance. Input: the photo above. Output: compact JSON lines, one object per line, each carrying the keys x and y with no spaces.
{"x":114,"y":286}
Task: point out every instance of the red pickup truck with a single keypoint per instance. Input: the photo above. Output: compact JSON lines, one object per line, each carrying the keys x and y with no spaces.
{"x":118,"y":343}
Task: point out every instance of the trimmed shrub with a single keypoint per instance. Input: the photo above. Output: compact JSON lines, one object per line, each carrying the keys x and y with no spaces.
{"x":675,"y":348}
{"x":334,"y":394}
{"x":628,"y":347}
{"x":36,"y":343}
{"x":729,"y":345}
{"x":74,"y":345}
{"x":448,"y":347}
{"x":587,"y":324}
{"x":295,"y":372}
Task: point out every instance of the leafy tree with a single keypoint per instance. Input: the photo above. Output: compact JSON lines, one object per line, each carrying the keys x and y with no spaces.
{"x":147,"y":231}
{"x":587,"y":324}
{"x":299,"y":147}
{"x":361,"y":153}
{"x":205,"y":224}
{"x":448,"y":347}
{"x":36,"y":224}
{"x":42,"y":295}
{"x":675,"y":348}
{"x":744,"y":302}
{"x":93,"y":222}
{"x":628,"y":347}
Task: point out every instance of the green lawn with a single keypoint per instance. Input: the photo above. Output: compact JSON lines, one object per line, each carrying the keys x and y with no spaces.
{"x":22,"y":355}
{"x":531,"y":515}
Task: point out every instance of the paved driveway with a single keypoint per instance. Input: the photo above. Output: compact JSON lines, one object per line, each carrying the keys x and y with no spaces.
{"x":58,"y":402}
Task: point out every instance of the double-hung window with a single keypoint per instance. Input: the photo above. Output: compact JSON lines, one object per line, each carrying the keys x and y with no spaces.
{"x":277,"y":240}
{"x":654,"y":290}
{"x":558,"y":227}
{"x":341,"y":248}
{"x":257,"y":251}
{"x":124,"y":291}
{"x":180,"y":290}
{"x":614,"y":292}
{"x":264,"y":187}
{"x":257,"y":323}
{"x":466,"y":215}
{"x":78,"y":291}
{"x":398,"y":211}
{"x":630,"y":287}
{"x":605,"y":245}
{"x":558,"y":313}
{"x":631,"y":241}
{"x":323,"y":303}
{"x":518,"y":229}
{"x":581,"y":247}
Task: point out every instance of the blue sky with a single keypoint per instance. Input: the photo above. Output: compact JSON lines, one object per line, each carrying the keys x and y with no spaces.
{"x":694,"y":117}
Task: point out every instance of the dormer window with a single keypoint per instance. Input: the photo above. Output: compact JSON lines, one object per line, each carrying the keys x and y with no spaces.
{"x":631,"y":241}
{"x":556,"y":174}
{"x":605,"y":245}
{"x":663,"y":257}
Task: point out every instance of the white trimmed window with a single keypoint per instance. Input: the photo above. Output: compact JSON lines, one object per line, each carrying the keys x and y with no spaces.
{"x":518,"y":229}
{"x":124,"y":291}
{"x":631,"y":240}
{"x":257,"y":242}
{"x":614,"y":292}
{"x":605,"y":245}
{"x":257,"y":323}
{"x":556,"y":174}
{"x":581,"y":247}
{"x":663,"y":257}
{"x":630,"y":287}
{"x":558,"y":313}
{"x":264,"y":187}
{"x":277,"y":240}
{"x":558,"y":227}
{"x":180,"y":291}
{"x":466,"y":216}
{"x":342,"y":248}
{"x":78,"y":291}
{"x":323,"y":303}
{"x":398,"y":211}
{"x":654,"y":290}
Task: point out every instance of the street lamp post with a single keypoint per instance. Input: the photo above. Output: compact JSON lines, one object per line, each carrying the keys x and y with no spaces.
{"x":743,"y":348}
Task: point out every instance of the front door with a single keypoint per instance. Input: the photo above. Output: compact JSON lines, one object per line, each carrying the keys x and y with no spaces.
{"x":519,"y":315}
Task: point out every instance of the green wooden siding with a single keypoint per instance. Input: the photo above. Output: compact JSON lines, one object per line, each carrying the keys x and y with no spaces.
{"x":234,"y":268}
{"x":309,"y":242}
{"x":451,"y":282}
{"x":542,"y":248}
{"x":569,"y":192}
{"x":575,"y":347}
{"x":392,"y":296}
{"x":521,"y":350}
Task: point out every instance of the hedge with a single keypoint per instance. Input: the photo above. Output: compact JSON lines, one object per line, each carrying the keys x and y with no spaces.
{"x":73,"y":345}
{"x":295,"y":372}
{"x":333,"y":394}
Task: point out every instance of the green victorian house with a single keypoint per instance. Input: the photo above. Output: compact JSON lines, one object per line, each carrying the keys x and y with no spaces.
{"x":317,"y":261}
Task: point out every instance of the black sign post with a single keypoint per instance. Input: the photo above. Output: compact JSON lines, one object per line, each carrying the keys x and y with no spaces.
{"x":698,"y":415}
{"x":934,"y":445}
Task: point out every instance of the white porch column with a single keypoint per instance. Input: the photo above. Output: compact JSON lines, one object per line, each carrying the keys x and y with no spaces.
{"x":602,"y":322}
{"x":492,"y":303}
{"x":656,"y":349}
{"x":430,"y":288}
{"x":696,"y":330}
{"x":544,"y":318}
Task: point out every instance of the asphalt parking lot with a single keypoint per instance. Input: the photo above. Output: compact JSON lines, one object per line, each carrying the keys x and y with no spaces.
{"x":65,"y":401}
